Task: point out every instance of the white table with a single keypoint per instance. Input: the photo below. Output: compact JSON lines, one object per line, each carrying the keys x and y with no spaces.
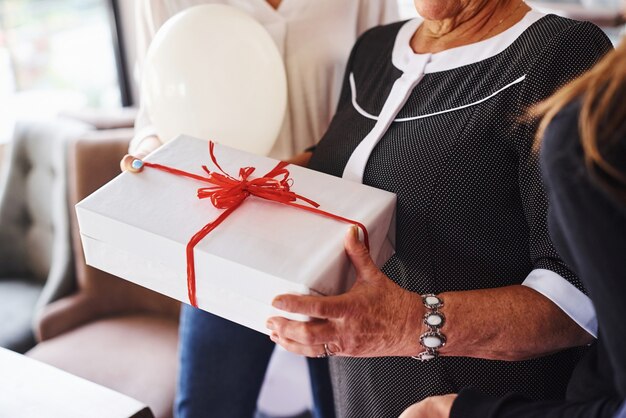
{"x":29,"y":388}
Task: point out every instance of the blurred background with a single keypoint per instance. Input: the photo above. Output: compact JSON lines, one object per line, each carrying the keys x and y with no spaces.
{"x":69,"y":55}
{"x":60,"y":55}
{"x":68,"y":97}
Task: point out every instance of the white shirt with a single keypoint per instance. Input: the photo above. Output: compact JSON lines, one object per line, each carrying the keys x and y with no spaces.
{"x":314,"y":37}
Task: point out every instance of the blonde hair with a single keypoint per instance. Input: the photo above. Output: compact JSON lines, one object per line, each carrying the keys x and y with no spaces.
{"x":602,"y":92}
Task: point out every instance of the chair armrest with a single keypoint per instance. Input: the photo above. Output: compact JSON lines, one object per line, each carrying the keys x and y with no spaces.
{"x":64,"y":315}
{"x":105,"y":119}
{"x":85,"y":174}
{"x":93,"y":161}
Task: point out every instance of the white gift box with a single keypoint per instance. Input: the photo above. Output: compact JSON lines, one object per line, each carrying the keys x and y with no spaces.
{"x":138,"y":225}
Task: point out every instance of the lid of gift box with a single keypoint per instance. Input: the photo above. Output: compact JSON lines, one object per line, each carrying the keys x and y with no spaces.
{"x":154,"y":214}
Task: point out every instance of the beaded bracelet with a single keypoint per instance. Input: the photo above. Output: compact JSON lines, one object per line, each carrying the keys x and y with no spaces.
{"x":432,"y":340}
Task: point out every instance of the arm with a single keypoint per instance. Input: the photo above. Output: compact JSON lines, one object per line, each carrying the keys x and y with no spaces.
{"x":560,"y":63}
{"x":379,"y":318}
{"x":509,"y":323}
{"x":149,"y":16}
{"x":470,"y":404}
{"x":592,"y":224}
{"x":143,"y":148}
{"x":301,"y":159}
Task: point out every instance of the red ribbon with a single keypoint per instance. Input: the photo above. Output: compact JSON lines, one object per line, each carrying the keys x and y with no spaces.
{"x":227,"y":192}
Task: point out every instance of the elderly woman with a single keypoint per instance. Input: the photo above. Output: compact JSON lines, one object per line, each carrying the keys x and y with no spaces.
{"x":584,"y":165}
{"x":431,"y":110}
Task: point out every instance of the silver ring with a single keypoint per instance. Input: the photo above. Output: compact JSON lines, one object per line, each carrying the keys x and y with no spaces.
{"x":327,"y":352}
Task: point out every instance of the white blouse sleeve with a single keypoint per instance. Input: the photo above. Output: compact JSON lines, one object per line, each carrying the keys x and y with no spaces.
{"x":566,"y":296}
{"x":149,"y":16}
{"x":377,"y":12}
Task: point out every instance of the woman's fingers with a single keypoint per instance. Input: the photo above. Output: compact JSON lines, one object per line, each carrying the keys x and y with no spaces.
{"x":301,"y":159}
{"x":305,"y":350}
{"x":125,"y":163}
{"x":132,"y":163}
{"x":359,"y":255}
{"x":297,"y":348}
{"x":313,"y":332}
{"x":322,"y":307}
{"x":433,"y":407}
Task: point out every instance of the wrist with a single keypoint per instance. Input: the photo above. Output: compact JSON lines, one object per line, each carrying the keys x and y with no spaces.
{"x":301,"y":159}
{"x":414,"y":324}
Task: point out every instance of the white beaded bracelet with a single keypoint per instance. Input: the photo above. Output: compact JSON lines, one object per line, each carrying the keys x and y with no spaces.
{"x":432,"y":340}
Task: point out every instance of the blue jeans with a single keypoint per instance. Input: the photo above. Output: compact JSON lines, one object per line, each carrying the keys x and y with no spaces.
{"x":222,"y":366}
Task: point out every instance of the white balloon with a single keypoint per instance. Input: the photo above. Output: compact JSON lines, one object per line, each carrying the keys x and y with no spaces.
{"x":215,"y":73}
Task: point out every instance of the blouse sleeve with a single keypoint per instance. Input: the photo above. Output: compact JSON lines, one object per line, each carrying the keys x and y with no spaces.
{"x":565,"y":57}
{"x":592,"y":222}
{"x":473,"y":404}
{"x":376,"y":12}
{"x":345,"y":92}
{"x":149,"y":16}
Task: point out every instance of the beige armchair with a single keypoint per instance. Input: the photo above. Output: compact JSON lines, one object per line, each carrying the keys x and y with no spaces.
{"x":35,"y":250}
{"x":110,"y":331}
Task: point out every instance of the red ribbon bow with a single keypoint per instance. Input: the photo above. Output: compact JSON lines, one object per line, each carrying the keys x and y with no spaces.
{"x":227,"y":192}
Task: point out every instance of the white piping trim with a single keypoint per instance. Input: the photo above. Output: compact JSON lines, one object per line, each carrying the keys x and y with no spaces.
{"x":354,"y":102}
{"x":370,"y":116}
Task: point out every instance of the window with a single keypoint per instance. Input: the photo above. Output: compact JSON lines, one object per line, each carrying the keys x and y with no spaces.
{"x":55,"y":55}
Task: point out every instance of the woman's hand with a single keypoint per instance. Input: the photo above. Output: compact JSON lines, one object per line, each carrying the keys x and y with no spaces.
{"x":146,"y":146}
{"x":433,"y":407}
{"x":375,"y":318}
{"x":127,"y":161}
{"x":301,"y":159}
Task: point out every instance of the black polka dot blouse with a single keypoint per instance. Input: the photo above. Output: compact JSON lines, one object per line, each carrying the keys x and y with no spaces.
{"x":445,"y":133}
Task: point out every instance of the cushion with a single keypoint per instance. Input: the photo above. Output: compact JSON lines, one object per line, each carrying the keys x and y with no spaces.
{"x":134,"y":355}
{"x":17,"y":305}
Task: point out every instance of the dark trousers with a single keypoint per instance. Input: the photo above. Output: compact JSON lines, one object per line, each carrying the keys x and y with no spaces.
{"x":222,"y":366}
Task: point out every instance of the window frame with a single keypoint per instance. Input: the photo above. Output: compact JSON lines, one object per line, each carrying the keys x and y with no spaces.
{"x":119,"y":49}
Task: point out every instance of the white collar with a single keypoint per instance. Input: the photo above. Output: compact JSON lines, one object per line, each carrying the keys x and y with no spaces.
{"x":404,"y":59}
